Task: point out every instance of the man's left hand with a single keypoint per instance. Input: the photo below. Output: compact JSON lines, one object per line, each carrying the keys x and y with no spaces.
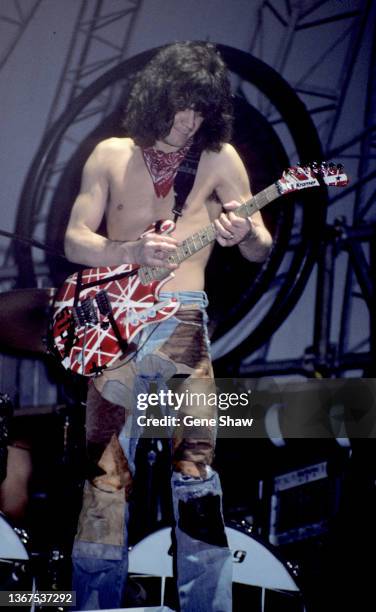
{"x":231,"y":229}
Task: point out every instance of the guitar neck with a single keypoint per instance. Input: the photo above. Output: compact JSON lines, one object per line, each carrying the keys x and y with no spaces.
{"x":205,"y":236}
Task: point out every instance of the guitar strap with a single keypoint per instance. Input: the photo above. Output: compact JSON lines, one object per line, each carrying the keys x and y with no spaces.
{"x":184,"y":179}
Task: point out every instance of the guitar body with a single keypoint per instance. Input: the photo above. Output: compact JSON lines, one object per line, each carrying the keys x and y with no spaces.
{"x":99,"y":311}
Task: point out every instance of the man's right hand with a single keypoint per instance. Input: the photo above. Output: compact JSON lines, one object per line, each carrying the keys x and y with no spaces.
{"x":151,"y":250}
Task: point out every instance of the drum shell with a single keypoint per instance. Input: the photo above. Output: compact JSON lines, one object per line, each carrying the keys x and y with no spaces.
{"x":15,"y":563}
{"x":11,"y":546}
{"x":257,"y":569}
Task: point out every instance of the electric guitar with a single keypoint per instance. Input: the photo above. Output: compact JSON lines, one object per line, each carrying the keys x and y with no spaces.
{"x":99,"y":311}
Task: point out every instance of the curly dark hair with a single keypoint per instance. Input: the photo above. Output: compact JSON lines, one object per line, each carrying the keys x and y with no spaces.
{"x":180,"y":76}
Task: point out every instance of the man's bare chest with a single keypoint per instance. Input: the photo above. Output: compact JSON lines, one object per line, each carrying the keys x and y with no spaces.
{"x":133,"y":205}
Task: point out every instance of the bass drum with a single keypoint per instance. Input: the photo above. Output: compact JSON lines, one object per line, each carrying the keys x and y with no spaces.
{"x":262,"y":581}
{"x":15,"y":565}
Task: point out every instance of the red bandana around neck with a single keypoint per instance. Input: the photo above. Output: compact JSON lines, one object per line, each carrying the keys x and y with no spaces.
{"x":163,"y":167}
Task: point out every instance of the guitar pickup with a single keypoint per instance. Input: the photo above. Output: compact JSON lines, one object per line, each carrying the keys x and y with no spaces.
{"x":85,"y":313}
{"x":103,"y":303}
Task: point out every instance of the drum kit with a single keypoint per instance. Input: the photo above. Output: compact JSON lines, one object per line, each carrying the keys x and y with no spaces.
{"x":15,"y":569}
{"x":24,"y":318}
{"x":259,"y":573}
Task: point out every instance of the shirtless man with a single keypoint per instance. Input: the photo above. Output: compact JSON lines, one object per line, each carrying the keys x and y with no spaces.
{"x":182,"y":96}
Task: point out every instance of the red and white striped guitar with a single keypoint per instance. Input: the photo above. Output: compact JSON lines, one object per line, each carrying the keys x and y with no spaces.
{"x":99,"y":311}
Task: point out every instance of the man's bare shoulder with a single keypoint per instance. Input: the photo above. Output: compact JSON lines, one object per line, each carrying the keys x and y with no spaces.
{"x":111,"y":146}
{"x":229,"y":178}
{"x":227,"y":154}
{"x":225,"y":162}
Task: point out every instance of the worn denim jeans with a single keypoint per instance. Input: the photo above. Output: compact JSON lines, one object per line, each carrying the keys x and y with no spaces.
{"x":177,"y":347}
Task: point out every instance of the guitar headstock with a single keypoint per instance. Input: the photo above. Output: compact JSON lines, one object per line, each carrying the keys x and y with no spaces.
{"x":314,"y":174}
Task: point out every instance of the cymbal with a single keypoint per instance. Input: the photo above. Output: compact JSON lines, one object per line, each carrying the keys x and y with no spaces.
{"x":24,"y":318}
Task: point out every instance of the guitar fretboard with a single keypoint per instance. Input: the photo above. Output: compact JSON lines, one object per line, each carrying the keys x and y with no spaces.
{"x":207,"y":235}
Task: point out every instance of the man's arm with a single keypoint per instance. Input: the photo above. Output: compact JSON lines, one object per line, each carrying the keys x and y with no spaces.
{"x":250,"y":234}
{"x":82,"y":242}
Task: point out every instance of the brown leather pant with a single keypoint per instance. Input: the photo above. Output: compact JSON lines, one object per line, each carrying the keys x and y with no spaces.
{"x":178,"y":349}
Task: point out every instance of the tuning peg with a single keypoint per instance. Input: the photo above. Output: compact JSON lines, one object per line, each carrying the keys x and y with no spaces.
{"x":323,"y":168}
{"x":314,"y":167}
